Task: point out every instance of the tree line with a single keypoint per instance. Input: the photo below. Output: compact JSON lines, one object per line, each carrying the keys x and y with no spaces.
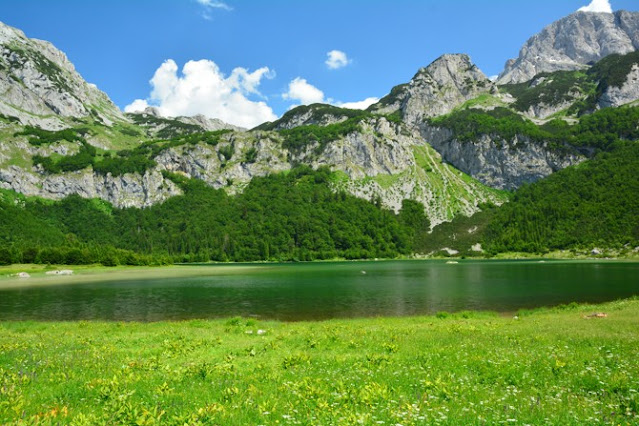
{"x":283,"y":217}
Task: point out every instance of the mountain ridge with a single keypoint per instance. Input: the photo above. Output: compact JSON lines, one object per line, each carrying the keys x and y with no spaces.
{"x":41,"y":86}
{"x":572,"y":43}
{"x":403,"y":147}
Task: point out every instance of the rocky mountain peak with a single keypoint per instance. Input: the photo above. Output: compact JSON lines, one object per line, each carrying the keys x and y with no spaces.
{"x":437,"y":89}
{"x":41,"y":87}
{"x":446,"y":69}
{"x":574,"y":42}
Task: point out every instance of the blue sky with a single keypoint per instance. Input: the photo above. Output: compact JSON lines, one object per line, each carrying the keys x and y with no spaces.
{"x":279,"y":46}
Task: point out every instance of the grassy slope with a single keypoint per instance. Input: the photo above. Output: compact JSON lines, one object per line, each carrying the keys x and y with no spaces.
{"x":549,"y":367}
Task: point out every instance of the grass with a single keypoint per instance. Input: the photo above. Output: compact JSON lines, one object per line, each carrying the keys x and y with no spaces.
{"x":482,"y":101}
{"x":549,"y":366}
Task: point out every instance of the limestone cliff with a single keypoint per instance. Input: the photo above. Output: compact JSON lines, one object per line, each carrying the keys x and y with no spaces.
{"x":40,"y":87}
{"x":499,"y":163}
{"x":625,"y":93}
{"x":374,"y":159}
{"x":573,"y":43}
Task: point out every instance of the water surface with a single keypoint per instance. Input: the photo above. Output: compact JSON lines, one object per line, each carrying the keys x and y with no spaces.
{"x":317,"y":291}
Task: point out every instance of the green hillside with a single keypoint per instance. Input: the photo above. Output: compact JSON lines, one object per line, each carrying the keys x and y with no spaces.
{"x":293,"y":216}
{"x":593,"y":204}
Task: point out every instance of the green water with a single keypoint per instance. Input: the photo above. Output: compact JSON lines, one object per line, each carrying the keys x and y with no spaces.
{"x":318,"y":291}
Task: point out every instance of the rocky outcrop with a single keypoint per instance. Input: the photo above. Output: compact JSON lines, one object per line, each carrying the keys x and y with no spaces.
{"x":542,"y":111}
{"x":380,"y":147}
{"x":437,"y":89}
{"x":206,"y":163}
{"x":548,"y":94}
{"x":628,"y":92}
{"x":155,"y":124}
{"x":130,"y":190}
{"x":40,"y":87}
{"x":314,"y":114}
{"x":499,"y":163}
{"x":573,"y":43}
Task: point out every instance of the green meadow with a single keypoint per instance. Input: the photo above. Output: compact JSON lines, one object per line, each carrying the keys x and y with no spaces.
{"x":548,"y":366}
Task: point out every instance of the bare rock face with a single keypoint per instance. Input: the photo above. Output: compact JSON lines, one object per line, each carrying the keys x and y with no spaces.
{"x":573,"y":43}
{"x":206,"y":163}
{"x":41,"y":87}
{"x":130,"y":190}
{"x":437,"y":89}
{"x":382,"y":161}
{"x":628,"y":92}
{"x":498,"y":163}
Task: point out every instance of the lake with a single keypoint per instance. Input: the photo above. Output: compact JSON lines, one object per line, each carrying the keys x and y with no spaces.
{"x":319,"y":291}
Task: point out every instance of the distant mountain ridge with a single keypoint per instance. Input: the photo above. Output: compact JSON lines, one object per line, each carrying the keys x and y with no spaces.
{"x":573,"y":43}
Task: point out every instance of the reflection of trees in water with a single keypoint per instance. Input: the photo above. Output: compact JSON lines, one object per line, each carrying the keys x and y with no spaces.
{"x":324,"y":291}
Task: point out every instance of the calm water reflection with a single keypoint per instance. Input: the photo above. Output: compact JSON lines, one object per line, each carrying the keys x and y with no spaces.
{"x":330,"y":290}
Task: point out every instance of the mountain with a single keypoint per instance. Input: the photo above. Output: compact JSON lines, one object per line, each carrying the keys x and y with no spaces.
{"x":573,"y":43}
{"x":451,"y":85}
{"x":611,"y":82}
{"x":125,"y":160}
{"x":441,"y":147}
{"x":450,"y":139}
{"x":503,"y":137}
{"x":436,"y":89}
{"x":40,"y":87}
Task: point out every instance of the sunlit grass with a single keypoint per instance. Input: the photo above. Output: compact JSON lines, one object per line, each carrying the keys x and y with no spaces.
{"x":546,"y":367}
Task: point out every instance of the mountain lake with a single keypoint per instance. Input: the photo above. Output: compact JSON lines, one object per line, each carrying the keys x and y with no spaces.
{"x":320,"y":291}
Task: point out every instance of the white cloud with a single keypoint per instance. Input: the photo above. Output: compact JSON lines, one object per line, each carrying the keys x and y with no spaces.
{"x":203,"y":89}
{"x":137,"y":105}
{"x":210,"y":5}
{"x":597,"y":6}
{"x":300,"y":90}
{"x":358,"y":105}
{"x":213,"y":4}
{"x":337,"y":59}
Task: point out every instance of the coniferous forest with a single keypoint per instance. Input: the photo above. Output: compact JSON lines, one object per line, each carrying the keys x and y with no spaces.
{"x":282,"y":217}
{"x":593,"y":204}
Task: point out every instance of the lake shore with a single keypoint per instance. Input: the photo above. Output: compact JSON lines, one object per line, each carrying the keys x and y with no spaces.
{"x":97,"y":273}
{"x":548,"y":366}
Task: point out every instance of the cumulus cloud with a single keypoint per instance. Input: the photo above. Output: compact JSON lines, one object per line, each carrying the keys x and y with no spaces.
{"x":337,"y":59}
{"x":137,"y":105}
{"x":203,"y":89}
{"x":358,"y":105}
{"x":598,"y":6}
{"x":302,"y":91}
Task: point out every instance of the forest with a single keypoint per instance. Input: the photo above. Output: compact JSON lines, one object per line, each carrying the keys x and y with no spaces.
{"x":594,"y":132}
{"x":291,"y":216}
{"x":594,"y":204}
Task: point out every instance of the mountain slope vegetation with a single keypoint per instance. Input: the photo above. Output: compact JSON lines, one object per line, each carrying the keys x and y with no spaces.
{"x":291,"y":216}
{"x":593,"y":204}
